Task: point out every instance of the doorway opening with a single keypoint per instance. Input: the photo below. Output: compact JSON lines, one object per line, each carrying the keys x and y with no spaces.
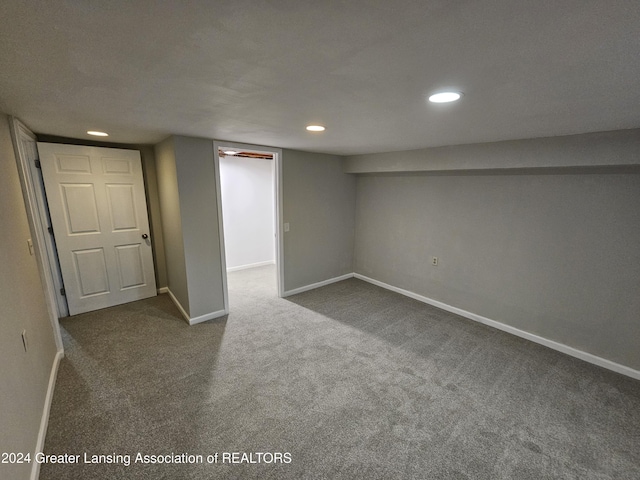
{"x":250,"y":198}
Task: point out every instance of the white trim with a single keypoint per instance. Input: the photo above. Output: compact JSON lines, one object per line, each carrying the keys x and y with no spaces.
{"x":250,"y":265}
{"x":44,"y":421}
{"x":207,"y":316}
{"x":50,"y":252}
{"x":35,"y":216}
{"x":223,"y":252}
{"x":162,"y":290}
{"x":277,"y":159}
{"x":560,"y":347}
{"x":295,"y":291}
{"x":195,"y":320}
{"x":175,"y":301}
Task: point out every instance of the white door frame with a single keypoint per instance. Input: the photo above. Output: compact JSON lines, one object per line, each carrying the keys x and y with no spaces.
{"x":277,"y":159}
{"x":42,"y":241}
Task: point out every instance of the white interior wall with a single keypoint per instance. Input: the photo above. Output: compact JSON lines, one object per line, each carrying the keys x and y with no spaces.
{"x":247,"y":186}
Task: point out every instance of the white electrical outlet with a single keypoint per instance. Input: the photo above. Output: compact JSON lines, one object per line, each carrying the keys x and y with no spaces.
{"x":286,"y":227}
{"x":434,"y":261}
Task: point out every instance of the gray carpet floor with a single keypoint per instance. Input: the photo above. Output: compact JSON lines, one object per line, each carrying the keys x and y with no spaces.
{"x":352,"y":381}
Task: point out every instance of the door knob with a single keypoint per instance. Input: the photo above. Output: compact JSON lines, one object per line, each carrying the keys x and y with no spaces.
{"x":145,"y":236}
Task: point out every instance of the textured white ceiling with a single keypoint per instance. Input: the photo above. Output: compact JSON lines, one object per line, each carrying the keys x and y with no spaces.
{"x":259,"y":71}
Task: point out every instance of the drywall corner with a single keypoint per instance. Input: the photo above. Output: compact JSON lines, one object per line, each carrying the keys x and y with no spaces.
{"x":196,"y":180}
{"x":171,"y":218}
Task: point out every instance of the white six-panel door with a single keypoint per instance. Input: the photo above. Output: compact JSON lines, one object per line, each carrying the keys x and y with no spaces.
{"x":99,"y":215}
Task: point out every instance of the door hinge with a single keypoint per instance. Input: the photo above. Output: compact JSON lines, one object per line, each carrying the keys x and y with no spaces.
{"x":63,"y":292}
{"x":50,"y":230}
{"x":38,"y":164}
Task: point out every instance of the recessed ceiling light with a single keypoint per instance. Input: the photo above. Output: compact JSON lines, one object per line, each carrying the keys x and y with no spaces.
{"x":97,"y":134}
{"x":229,"y":152}
{"x":316,"y":128}
{"x":444,"y":97}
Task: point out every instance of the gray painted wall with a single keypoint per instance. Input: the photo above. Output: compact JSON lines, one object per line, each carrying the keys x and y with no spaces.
{"x":589,"y":151}
{"x":189,"y":207}
{"x":147,"y":155}
{"x":319,"y":205}
{"x":554,"y":255}
{"x":24,"y":376}
{"x":167,"y":177}
{"x":200,"y":223}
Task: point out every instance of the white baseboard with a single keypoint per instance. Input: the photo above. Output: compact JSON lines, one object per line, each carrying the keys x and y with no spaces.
{"x":208,"y":316}
{"x":178,"y":305}
{"x":162,"y":290}
{"x":295,"y":291}
{"x":560,"y":347}
{"x":44,"y":421}
{"x":195,"y":320}
{"x":251,"y":265}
